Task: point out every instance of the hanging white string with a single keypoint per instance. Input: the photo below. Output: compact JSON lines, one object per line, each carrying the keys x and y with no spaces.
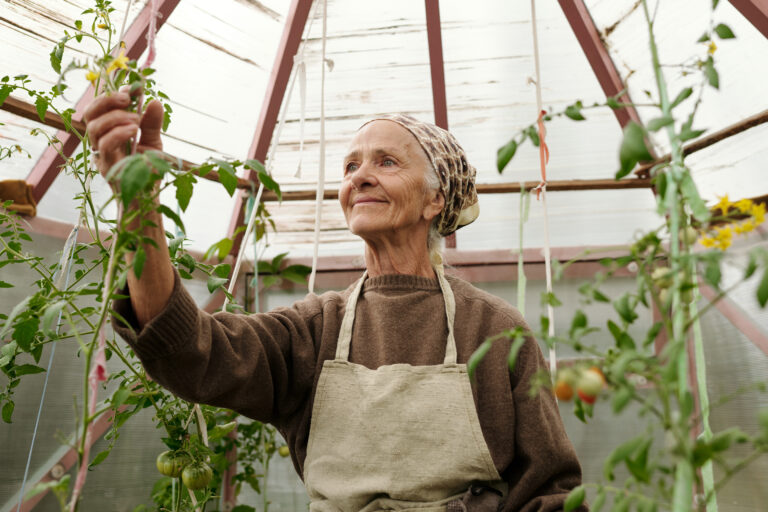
{"x":301,"y":71}
{"x":62,"y":274}
{"x":547,"y":250}
{"x":125,"y":22}
{"x":321,"y":163}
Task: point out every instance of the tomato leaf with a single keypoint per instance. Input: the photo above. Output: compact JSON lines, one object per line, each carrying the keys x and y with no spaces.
{"x":173,"y":216}
{"x":184,"y":189}
{"x":99,"y":458}
{"x":270,"y":184}
{"x":505,"y":154}
{"x":134,"y":178}
{"x":691,"y":193}
{"x":723,"y":31}
{"x":632,"y":150}
{"x":658,"y":123}
{"x":5,"y":91}
{"x":762,"y":290}
{"x":41,"y":105}
{"x":8,"y":411}
{"x":227,"y":176}
{"x":215,"y":282}
{"x":681,"y":96}
{"x":574,"y":112}
{"x":3,"y":284}
{"x":51,"y":317}
{"x":711,"y":73}
{"x":478,"y":356}
{"x":514,"y":349}
{"x":27,"y":369}
{"x":575,"y":498}
{"x":620,"y":454}
{"x":138,"y":262}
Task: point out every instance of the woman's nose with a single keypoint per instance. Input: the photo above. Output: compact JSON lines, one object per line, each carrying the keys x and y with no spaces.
{"x":365,"y":175}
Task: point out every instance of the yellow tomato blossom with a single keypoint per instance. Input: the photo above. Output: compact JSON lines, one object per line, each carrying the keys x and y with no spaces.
{"x":758,"y":212}
{"x":724,"y":237}
{"x":744,"y":227}
{"x":723,"y":204}
{"x":744,"y":205}
{"x":712,"y":48}
{"x":92,"y":76}
{"x":102,"y":25}
{"x":707,"y":241}
{"x":119,"y":62}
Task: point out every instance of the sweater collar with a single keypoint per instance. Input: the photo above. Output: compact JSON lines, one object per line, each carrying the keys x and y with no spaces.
{"x":401,"y":282}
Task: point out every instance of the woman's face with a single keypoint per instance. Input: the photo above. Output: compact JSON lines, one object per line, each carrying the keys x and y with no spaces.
{"x":383,"y":192}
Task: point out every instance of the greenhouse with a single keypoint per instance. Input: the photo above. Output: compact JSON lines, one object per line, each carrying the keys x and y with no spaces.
{"x":340,"y":256}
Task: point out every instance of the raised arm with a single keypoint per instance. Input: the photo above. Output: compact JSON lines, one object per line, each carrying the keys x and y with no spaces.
{"x":110,"y":127}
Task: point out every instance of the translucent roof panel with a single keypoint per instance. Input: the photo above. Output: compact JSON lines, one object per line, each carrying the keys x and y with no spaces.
{"x":214,"y":60}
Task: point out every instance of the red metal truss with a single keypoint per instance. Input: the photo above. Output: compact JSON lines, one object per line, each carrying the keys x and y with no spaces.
{"x":434,"y":38}
{"x":437,"y":71}
{"x":756,"y":11}
{"x":47,"y":167}
{"x":295,"y":21}
{"x":584,"y":28}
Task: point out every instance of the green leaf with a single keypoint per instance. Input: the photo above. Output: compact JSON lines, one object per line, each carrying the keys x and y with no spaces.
{"x":575,"y":498}
{"x":215,"y":282}
{"x":296,"y":273}
{"x":574,"y":112}
{"x":172,"y":215}
{"x":712,"y":273}
{"x":532,"y":134}
{"x":120,"y":396}
{"x":227,"y":177}
{"x":56,"y":54}
{"x":3,"y":284}
{"x":24,"y":333}
{"x":579,"y":321}
{"x":27,"y":369}
{"x":624,"y":309}
{"x":478,"y":356}
{"x":620,"y":399}
{"x":632,"y":150}
{"x":549,"y":298}
{"x":691,"y":194}
{"x":254,"y":165}
{"x":270,"y":184}
{"x":139,"y":258}
{"x":134,"y":178}
{"x":658,"y":123}
{"x":5,"y":91}
{"x":505,"y":154}
{"x":762,"y":290}
{"x":599,"y":502}
{"x":723,"y":31}
{"x":222,"y":269}
{"x":157,"y":161}
{"x":51,"y":317}
{"x":620,"y":454}
{"x":41,"y":105}
{"x":514,"y":349}
{"x":184,"y":187}
{"x":681,"y":96}
{"x":99,"y":458}
{"x":711,"y":73}
{"x":269,"y":280}
{"x":8,"y":411}
{"x":220,"y":431}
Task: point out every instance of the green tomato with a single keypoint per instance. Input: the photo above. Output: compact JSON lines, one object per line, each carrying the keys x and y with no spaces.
{"x":689,"y":235}
{"x":284,"y":451}
{"x":590,"y":383}
{"x":197,"y":475}
{"x":171,"y":463}
{"x":662,"y":277}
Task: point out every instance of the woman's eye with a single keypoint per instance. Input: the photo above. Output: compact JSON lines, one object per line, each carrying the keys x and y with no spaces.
{"x":388,"y":162}
{"x":351,"y":167}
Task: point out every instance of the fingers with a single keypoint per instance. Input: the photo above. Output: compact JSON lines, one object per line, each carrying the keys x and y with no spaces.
{"x":151,"y":126}
{"x":100,"y":126}
{"x":113,"y":143}
{"x":105,"y":103}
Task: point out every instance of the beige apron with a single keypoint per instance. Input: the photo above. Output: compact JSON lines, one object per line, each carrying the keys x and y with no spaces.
{"x":400,"y":437}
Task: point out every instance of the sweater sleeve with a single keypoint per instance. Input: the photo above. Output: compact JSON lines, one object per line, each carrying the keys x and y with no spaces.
{"x":546,"y":467}
{"x":260,"y":365}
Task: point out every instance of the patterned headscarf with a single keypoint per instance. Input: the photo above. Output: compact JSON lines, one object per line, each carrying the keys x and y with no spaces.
{"x":457,"y":176}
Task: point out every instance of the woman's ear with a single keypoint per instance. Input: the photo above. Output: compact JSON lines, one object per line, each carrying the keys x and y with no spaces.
{"x":435,"y":202}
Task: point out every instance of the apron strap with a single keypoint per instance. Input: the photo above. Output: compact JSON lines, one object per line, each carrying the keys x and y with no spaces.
{"x":345,"y":333}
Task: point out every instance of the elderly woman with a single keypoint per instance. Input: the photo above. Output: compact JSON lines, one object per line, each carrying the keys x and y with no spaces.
{"x":369,"y":386}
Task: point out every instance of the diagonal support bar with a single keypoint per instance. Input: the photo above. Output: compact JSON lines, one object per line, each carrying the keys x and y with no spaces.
{"x":436,"y":67}
{"x":756,"y":11}
{"x":47,"y":167}
{"x":586,"y":32}
{"x":295,"y":21}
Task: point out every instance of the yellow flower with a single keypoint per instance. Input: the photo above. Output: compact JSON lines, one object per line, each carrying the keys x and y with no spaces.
{"x":119,"y":62}
{"x":707,"y":241}
{"x":758,"y":212}
{"x":92,"y":76}
{"x":724,"y":237}
{"x":744,"y":227}
{"x":724,"y":204}
{"x":711,"y":48}
{"x":744,"y":205}
{"x":102,"y":25}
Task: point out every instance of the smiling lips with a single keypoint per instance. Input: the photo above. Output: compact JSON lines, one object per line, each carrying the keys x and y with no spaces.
{"x":367,"y":200}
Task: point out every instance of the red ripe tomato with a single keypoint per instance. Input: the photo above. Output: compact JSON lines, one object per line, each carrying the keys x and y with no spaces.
{"x":197,"y":475}
{"x":587,"y":399}
{"x":591,"y":382}
{"x":563,"y":391}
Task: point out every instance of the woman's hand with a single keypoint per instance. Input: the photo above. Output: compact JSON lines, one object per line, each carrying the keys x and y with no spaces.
{"x":111,"y":127}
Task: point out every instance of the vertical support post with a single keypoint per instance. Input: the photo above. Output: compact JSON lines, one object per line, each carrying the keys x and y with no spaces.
{"x":47,"y":167}
{"x":437,"y":72}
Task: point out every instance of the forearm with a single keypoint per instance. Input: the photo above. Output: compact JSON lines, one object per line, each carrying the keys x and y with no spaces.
{"x":150,"y":293}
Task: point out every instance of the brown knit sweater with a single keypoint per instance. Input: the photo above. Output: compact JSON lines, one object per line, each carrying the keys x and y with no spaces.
{"x":266,"y":366}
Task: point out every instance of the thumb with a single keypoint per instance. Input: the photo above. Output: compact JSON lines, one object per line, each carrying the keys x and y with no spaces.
{"x":151,"y":126}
